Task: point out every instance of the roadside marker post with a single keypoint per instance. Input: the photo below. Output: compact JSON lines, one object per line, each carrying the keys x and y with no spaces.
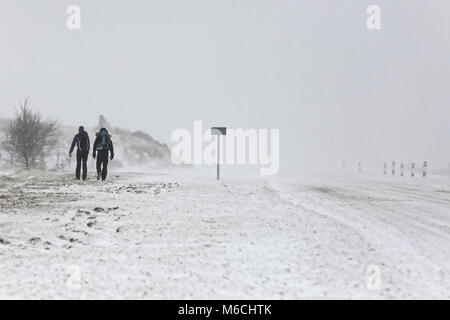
{"x":413,"y":166}
{"x":393,"y":168}
{"x":218,"y":131}
{"x":402,"y":167}
{"x":385,"y":168}
{"x":425,"y":169}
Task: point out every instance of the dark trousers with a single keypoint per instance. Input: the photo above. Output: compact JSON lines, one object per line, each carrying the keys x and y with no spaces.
{"x":81,"y":158}
{"x":102,"y":163}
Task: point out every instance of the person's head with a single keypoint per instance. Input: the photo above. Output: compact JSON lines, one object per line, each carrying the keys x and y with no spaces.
{"x":80,"y":129}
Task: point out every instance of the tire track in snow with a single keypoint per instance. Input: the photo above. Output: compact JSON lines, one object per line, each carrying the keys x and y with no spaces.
{"x":418,"y":257}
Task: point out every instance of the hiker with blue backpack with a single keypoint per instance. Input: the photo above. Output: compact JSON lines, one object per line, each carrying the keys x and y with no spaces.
{"x":81,"y":140}
{"x":102,"y":146}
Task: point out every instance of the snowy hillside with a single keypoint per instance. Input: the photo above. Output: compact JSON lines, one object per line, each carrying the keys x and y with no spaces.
{"x":132,"y":149}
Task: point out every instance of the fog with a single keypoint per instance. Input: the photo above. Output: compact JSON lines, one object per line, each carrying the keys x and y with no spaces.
{"x":334,"y":88}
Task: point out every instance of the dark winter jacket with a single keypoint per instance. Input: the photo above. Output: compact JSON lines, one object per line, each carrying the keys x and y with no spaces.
{"x":107,"y":145}
{"x":76,"y":141}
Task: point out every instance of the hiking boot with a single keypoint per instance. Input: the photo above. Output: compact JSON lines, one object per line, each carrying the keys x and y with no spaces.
{"x":98,"y":176}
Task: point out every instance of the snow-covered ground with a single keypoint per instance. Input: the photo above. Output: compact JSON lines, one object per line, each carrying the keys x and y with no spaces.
{"x":172,"y":235}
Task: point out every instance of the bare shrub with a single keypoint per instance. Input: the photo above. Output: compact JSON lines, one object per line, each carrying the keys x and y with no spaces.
{"x":28,"y":137}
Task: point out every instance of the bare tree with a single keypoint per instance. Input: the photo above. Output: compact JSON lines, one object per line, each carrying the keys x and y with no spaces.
{"x":28,"y":137}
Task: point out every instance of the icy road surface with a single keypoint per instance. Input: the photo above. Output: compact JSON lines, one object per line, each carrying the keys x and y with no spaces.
{"x":158,"y":236}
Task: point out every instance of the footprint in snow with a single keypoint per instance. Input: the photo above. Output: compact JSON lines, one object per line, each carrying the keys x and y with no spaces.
{"x":34,"y":240}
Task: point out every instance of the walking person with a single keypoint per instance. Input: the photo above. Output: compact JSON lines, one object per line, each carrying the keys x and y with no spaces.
{"x":81,"y":140}
{"x":102,"y":146}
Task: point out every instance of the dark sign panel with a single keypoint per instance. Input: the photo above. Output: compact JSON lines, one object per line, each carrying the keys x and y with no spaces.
{"x":218,"y":131}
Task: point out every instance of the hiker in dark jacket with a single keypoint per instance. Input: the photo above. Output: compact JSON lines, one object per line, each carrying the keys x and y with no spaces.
{"x":102,"y":146}
{"x":81,"y":140}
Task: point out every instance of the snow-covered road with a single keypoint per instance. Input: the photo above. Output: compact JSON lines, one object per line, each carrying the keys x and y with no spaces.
{"x":165,"y":236}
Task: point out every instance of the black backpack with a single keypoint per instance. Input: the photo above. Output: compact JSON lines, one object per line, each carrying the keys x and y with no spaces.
{"x":83,"y":141}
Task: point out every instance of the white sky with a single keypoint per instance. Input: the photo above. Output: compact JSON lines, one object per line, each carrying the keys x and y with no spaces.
{"x":335,"y":89}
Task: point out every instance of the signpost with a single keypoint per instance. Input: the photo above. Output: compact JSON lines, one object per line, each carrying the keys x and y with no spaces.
{"x":218,"y":131}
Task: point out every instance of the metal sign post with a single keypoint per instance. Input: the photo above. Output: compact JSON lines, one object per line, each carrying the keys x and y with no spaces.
{"x":218,"y":131}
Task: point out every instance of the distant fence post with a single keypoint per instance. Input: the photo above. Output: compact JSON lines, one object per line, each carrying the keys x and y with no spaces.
{"x":402,"y":167}
{"x":385,"y":168}
{"x":413,"y":166}
{"x":393,"y":168}
{"x":425,"y":169}
{"x":359,"y":167}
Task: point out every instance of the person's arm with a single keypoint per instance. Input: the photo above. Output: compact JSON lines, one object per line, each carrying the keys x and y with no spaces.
{"x":111,"y":148}
{"x":75,"y":138}
{"x":88,"y":142}
{"x":95,"y":147}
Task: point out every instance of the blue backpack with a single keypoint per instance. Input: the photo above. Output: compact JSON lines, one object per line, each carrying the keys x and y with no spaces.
{"x":104,"y":140}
